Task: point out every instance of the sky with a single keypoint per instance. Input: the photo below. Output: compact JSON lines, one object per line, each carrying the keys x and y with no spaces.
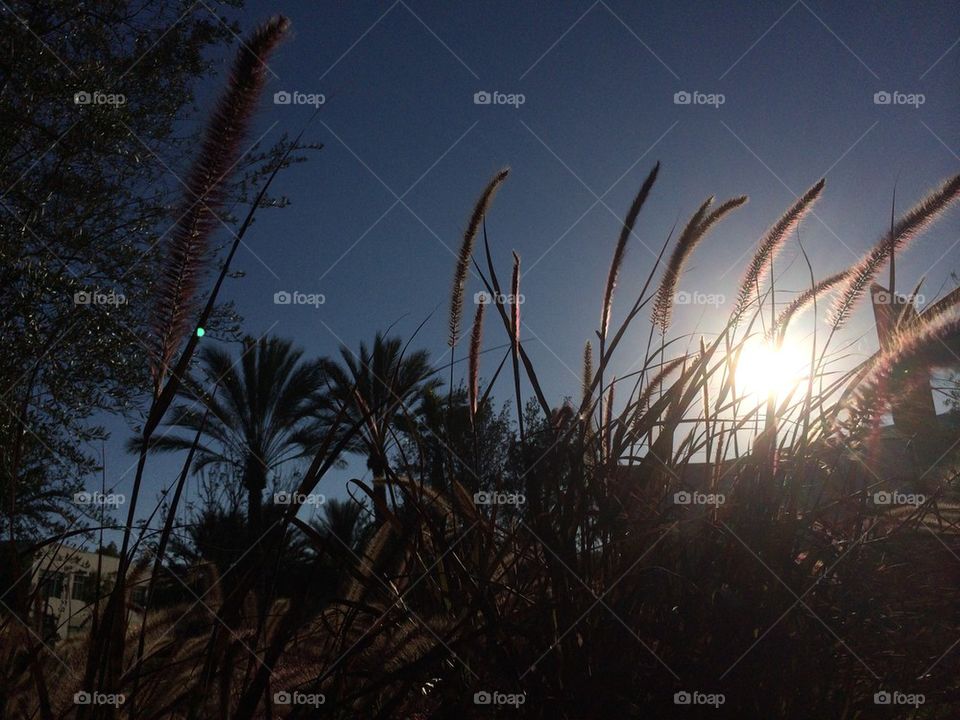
{"x":589,"y":97}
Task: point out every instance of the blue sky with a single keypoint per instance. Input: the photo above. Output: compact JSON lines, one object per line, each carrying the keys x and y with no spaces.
{"x":599,"y":80}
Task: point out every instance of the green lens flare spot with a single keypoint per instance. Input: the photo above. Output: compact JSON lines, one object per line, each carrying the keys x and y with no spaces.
{"x":201,"y":332}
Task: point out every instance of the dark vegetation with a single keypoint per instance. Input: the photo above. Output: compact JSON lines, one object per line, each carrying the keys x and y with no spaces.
{"x":584,"y":586}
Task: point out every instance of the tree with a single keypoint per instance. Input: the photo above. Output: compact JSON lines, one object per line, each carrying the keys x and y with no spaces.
{"x":83,"y":202}
{"x":380,"y":388}
{"x":343,"y":531}
{"x":343,"y":524}
{"x":259,"y":416}
{"x":953,"y":396}
{"x":442,"y":441}
{"x":217,"y":539}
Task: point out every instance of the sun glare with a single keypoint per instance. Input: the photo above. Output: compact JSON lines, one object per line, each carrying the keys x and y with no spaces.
{"x":764,"y":369}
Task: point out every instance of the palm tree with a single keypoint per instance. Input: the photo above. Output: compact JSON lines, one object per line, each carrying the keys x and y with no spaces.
{"x":344,"y":519}
{"x":377,"y":389}
{"x":261,"y":415}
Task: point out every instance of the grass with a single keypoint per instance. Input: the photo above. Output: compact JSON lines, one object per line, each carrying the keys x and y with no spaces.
{"x":598,"y":595}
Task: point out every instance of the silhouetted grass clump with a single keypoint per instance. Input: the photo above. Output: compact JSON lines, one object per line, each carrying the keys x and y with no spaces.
{"x":671,"y":536}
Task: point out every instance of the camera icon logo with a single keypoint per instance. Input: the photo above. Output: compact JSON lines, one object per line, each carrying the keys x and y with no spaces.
{"x":882,"y":497}
{"x":282,"y":298}
{"x":682,"y":98}
{"x":482,"y":698}
{"x":82,"y":698}
{"x":282,"y":97}
{"x":482,"y":97}
{"x":282,"y":698}
{"x":682,"y":698}
{"x":882,"y":98}
{"x":482,"y":298}
{"x":482,"y":498}
{"x":82,"y":98}
{"x":882,"y":698}
{"x":283,"y":498}
{"x":683,"y":298}
{"x":682,"y":498}
{"x":83,"y":297}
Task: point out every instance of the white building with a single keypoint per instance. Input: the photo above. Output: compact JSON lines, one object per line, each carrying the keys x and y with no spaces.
{"x":66,"y":580}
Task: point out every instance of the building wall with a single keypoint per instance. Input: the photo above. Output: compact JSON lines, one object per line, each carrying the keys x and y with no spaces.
{"x":68,"y":589}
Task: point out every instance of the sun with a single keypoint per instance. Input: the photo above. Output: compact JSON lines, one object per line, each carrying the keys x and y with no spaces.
{"x":764,"y":369}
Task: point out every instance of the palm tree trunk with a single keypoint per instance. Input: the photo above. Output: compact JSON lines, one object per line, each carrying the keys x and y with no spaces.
{"x":380,"y":497}
{"x":378,"y":467}
{"x":254,"y":480}
{"x":254,"y":510}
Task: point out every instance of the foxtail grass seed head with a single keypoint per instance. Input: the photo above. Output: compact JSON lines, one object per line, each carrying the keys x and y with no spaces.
{"x":621,"y":248}
{"x":476,"y":340}
{"x":587,"y":379}
{"x":771,"y":244}
{"x":696,"y":229}
{"x":908,"y":227}
{"x":805,"y":299}
{"x":185,"y":251}
{"x":465,"y":253}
